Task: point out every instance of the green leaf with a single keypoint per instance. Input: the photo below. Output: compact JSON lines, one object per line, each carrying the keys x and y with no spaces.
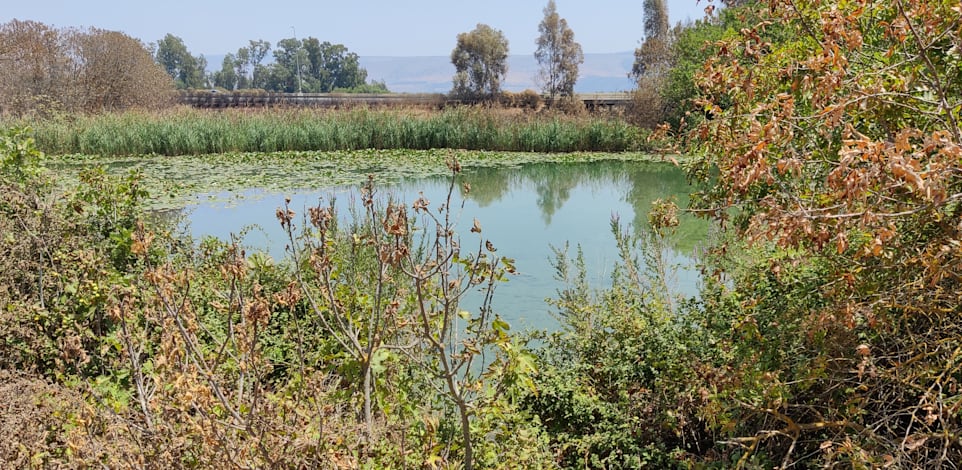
{"x":500,"y":325}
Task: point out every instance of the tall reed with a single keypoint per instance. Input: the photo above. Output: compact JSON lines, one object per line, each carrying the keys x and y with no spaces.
{"x":186,"y":131}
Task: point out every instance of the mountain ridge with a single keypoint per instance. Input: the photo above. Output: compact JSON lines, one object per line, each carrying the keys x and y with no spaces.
{"x":600,"y":72}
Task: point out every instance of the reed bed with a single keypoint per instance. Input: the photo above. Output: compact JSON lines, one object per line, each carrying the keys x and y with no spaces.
{"x":187,"y":131}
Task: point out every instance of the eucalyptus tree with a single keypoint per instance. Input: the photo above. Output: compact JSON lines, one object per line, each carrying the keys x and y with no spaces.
{"x":333,"y":66}
{"x":480,"y":60}
{"x":242,"y":69}
{"x":287,"y":72}
{"x":558,"y":54}
{"x":255,"y":54}
{"x":654,"y":54}
{"x":228,"y":76}
{"x":186,"y":70}
{"x":321,"y":67}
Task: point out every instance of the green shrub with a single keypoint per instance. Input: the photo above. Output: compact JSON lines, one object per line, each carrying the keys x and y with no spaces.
{"x":622,"y":385}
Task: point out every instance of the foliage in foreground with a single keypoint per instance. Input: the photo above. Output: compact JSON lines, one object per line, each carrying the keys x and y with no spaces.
{"x":623,"y":382}
{"x":827,"y":333}
{"x":191,"y":132}
{"x":360,"y":353}
{"x":837,"y":151}
{"x":828,"y":330}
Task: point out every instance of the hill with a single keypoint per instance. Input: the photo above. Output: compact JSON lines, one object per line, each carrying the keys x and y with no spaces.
{"x":432,"y":74}
{"x":599,"y":73}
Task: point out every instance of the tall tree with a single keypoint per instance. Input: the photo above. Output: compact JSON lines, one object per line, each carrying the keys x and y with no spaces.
{"x":255,"y":53}
{"x":480,"y":60}
{"x":558,"y":54}
{"x":186,"y":70}
{"x":287,"y":73}
{"x":654,"y":54}
{"x":242,"y":68}
{"x":333,"y":66}
{"x":227,"y":77}
{"x":324,"y":67}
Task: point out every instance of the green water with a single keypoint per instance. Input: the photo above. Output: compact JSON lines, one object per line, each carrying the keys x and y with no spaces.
{"x":525,"y":210}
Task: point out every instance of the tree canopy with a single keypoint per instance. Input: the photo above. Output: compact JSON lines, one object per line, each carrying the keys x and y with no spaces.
{"x":188,"y":71}
{"x":480,"y":60}
{"x":654,"y":54}
{"x":307,"y":65}
{"x":558,"y":54}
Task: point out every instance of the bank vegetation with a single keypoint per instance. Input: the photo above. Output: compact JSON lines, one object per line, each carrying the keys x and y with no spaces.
{"x":825,"y":147}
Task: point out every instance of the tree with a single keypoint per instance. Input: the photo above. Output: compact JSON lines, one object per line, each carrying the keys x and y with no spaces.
{"x":47,"y":71}
{"x":314,"y":67}
{"x":558,"y":54}
{"x":242,"y":68}
{"x":35,"y":68}
{"x":186,"y":70}
{"x":117,"y":72}
{"x":287,"y":71}
{"x":227,"y":77}
{"x":689,"y":52}
{"x":653,"y":61}
{"x":653,"y":56}
{"x":257,"y":51}
{"x":255,"y":54}
{"x":333,"y":66}
{"x":480,"y":60}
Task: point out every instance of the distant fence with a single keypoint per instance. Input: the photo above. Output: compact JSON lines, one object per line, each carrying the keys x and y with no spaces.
{"x":243,"y":99}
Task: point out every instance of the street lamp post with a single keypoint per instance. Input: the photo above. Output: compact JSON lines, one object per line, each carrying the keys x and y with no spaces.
{"x":297,"y":61}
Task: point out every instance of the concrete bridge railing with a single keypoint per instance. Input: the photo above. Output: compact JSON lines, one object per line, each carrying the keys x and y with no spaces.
{"x":243,"y":99}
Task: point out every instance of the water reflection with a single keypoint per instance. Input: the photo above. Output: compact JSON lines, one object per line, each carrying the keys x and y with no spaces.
{"x":642,"y":183}
{"x":524,"y":211}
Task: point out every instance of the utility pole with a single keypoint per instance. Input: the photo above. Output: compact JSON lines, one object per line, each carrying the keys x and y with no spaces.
{"x":297,"y":61}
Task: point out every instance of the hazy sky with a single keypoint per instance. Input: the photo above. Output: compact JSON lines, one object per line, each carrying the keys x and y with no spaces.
{"x":367,"y":27}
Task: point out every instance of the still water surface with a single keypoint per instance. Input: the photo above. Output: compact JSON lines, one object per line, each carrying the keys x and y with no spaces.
{"x":524,"y":210}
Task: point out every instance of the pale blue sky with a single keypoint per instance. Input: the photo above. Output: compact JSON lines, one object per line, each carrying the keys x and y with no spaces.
{"x":367,"y":27}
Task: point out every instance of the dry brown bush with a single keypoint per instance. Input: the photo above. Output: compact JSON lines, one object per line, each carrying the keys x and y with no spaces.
{"x":48,"y":71}
{"x":527,"y":100}
{"x":569,"y":106}
{"x":647,"y":106}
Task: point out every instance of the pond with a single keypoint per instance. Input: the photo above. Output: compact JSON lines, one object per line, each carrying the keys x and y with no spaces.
{"x":525,"y":210}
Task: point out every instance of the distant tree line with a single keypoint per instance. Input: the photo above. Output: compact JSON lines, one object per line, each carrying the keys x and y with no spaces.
{"x":50,"y":70}
{"x":300,"y":65}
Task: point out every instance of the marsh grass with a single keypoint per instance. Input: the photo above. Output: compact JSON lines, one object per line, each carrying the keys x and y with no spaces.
{"x":187,"y":131}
